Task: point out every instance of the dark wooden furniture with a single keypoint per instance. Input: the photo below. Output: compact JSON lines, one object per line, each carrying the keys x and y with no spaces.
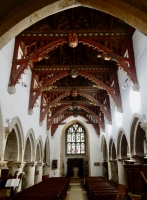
{"x":45,"y":177}
{"x":137,"y":176}
{"x":99,"y":188}
{"x":50,"y":189}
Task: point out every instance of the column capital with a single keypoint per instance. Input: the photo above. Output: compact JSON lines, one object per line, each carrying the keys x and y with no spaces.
{"x":16,"y":164}
{"x":31,"y":164}
{"x":3,"y":163}
{"x":46,"y":165}
{"x":39,"y":164}
{"x":143,"y":125}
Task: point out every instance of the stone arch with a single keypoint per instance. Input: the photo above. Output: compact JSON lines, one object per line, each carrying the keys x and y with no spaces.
{"x":104,"y":148}
{"x":105,"y":157}
{"x":137,"y":136}
{"x":87,"y":143}
{"x":14,"y":141}
{"x":39,"y":150}
{"x":122,"y":145}
{"x":113,"y":167}
{"x":122,"y":154}
{"x":112,"y":150}
{"x":35,"y":11}
{"x":29,"y":150}
{"x":46,"y":157}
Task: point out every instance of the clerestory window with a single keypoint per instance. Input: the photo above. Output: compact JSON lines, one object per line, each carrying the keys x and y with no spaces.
{"x":75,"y":139}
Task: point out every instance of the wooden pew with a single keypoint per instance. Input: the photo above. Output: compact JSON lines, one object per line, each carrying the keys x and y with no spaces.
{"x":50,"y":189}
{"x":99,"y":188}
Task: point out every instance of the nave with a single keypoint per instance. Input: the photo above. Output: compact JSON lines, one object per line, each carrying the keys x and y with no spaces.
{"x":73,"y":86}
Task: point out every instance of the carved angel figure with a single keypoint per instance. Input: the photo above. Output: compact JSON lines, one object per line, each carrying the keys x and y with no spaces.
{"x":72,"y":40}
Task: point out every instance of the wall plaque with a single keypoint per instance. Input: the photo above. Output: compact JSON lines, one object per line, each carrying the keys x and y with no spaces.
{"x":96,"y":163}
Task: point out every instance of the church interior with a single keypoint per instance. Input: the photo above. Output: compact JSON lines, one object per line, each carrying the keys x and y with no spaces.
{"x":73,"y":97}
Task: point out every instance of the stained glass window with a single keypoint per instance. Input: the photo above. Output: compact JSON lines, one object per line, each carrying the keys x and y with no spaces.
{"x":75,"y":139}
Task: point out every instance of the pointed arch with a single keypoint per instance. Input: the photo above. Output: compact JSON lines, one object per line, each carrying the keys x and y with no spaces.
{"x":39,"y":150}
{"x":137,"y":136}
{"x":122,"y":144}
{"x":87,"y":143}
{"x":113,"y":167}
{"x":112,"y":150}
{"x":29,"y":147}
{"x":46,"y":157}
{"x":104,"y":148}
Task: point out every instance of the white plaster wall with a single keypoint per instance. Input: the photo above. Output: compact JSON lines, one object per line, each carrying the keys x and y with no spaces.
{"x":17,"y":104}
{"x":140,"y":52}
{"x":133,"y":102}
{"x":95,"y":151}
{"x":13,"y":105}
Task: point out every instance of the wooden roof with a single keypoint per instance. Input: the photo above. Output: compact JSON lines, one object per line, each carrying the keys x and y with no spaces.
{"x":75,"y":81}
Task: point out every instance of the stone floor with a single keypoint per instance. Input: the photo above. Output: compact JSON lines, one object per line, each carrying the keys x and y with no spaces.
{"x":76,"y":190}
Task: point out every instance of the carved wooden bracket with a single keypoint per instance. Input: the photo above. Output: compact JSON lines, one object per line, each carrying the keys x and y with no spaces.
{"x":99,"y":118}
{"x":122,"y":61}
{"x":104,"y":107}
{"x":19,"y":65}
{"x":93,"y":100}
{"x":34,"y":93}
{"x":107,"y":112}
{"x":43,"y":111}
{"x":54,"y":128}
{"x":112,"y":91}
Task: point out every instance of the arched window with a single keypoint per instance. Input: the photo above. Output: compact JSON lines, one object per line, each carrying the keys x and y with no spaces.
{"x":75,"y":140}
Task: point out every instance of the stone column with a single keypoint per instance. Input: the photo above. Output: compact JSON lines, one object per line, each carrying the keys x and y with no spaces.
{"x":122,"y":175}
{"x":38,"y":173}
{"x":46,"y":169}
{"x":17,"y":166}
{"x":109,"y":170}
{"x":29,"y":173}
{"x":113,"y":170}
{"x":2,"y":164}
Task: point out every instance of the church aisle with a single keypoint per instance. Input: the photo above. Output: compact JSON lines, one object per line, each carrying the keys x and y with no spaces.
{"x":76,"y":191}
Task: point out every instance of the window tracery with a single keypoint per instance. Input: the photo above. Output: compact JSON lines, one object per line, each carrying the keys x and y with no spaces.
{"x":75,"y":140}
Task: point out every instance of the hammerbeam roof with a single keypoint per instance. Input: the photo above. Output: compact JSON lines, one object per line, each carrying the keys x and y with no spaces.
{"x":75,"y":81}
